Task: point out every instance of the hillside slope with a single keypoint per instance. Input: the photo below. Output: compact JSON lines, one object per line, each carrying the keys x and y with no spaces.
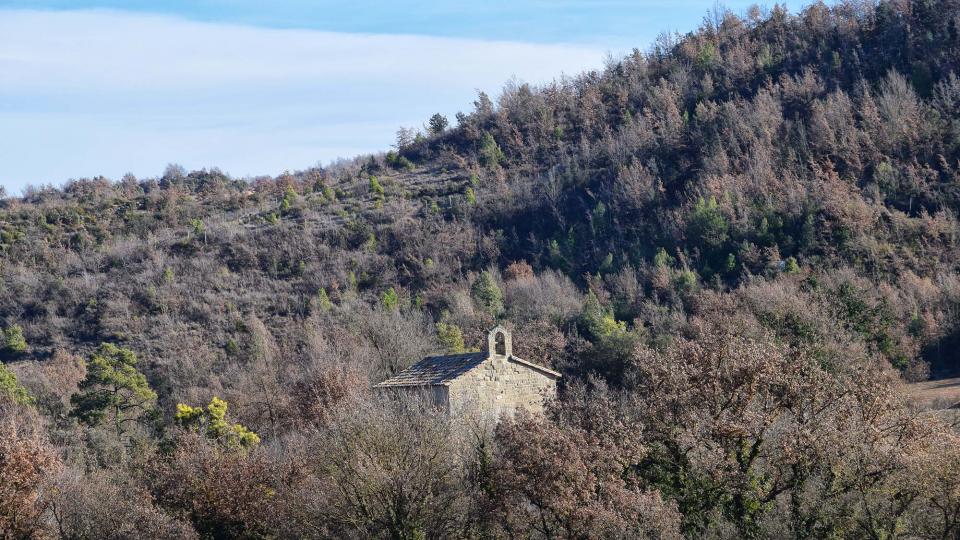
{"x":789,"y":180}
{"x":825,"y":145}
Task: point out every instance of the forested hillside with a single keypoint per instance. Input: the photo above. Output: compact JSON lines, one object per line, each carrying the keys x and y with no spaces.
{"x":736,"y":246}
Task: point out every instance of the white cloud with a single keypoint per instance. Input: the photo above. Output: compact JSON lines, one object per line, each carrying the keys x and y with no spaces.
{"x":97,"y":92}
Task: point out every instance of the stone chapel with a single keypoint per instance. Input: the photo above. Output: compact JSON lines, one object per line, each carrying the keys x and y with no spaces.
{"x":492,"y":382}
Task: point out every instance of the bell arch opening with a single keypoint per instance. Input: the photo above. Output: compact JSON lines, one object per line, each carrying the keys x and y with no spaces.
{"x":501,"y":344}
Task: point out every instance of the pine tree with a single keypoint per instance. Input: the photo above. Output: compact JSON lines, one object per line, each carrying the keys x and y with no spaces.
{"x":113,"y":389}
{"x":490,"y":153}
{"x":438,"y":124}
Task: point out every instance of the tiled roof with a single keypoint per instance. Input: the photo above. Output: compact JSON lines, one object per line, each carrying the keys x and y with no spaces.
{"x":435,"y":370}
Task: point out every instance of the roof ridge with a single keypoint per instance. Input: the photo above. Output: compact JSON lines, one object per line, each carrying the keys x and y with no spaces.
{"x":535,"y":366}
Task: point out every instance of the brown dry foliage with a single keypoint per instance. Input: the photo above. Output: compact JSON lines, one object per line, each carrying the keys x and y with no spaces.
{"x":224,"y":492}
{"x":572,"y":480}
{"x":27,"y":462}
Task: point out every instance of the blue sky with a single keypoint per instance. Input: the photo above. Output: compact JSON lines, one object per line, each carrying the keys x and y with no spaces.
{"x":259,"y":87}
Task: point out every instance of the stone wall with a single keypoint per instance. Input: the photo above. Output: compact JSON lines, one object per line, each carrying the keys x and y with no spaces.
{"x":501,"y":385}
{"x":438,"y":396}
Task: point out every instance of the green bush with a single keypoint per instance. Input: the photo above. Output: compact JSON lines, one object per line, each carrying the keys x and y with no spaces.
{"x":398,"y":161}
{"x":289,"y":197}
{"x":323,"y":300}
{"x":490,"y":153}
{"x":685,"y":281}
{"x":451,"y":337}
{"x":390,"y":299}
{"x":11,"y":389}
{"x":598,"y":321}
{"x":606,"y":265}
{"x":197,"y":226}
{"x":732,"y":263}
{"x":212,"y":422}
{"x":14,"y":344}
{"x":376,"y":189}
{"x":663,"y":260}
{"x":707,"y":226}
{"x":707,"y":56}
{"x":486,"y":294}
